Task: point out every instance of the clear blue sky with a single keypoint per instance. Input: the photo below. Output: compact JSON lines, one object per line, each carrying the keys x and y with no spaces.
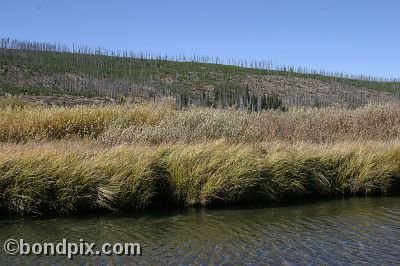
{"x":354,"y":36}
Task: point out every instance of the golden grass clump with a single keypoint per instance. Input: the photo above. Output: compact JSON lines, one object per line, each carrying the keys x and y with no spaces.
{"x":212,"y":172}
{"x":59,"y":178}
{"x":133,"y":174}
{"x":341,"y":169}
{"x":45,"y":178}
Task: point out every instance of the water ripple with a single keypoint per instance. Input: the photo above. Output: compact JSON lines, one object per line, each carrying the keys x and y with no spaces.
{"x":350,"y":231}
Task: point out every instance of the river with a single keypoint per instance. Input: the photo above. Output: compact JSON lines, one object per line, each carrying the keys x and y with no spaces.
{"x":339,"y":231}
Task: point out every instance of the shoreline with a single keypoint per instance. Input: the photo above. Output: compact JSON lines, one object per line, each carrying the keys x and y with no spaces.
{"x":167,"y":210}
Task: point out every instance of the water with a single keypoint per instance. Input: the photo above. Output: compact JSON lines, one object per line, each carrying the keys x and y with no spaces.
{"x":345,"y":231}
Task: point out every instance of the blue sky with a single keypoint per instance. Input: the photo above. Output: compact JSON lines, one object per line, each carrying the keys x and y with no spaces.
{"x":354,"y":36}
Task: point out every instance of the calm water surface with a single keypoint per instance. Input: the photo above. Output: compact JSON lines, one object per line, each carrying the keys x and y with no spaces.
{"x":345,"y":231}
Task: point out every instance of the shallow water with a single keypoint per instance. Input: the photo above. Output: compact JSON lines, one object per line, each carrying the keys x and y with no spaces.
{"x":345,"y":231}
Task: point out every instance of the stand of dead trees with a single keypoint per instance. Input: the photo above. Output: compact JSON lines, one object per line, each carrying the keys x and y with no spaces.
{"x":195,"y":80}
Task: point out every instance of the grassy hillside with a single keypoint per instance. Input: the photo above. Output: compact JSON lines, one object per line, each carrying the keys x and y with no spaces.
{"x":44,"y":69}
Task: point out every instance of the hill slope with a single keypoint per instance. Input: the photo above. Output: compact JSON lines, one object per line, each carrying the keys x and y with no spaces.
{"x":39,"y":70}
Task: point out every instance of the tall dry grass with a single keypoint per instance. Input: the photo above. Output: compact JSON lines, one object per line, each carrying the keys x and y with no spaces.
{"x":328,"y":125}
{"x":41,"y":123}
{"x":155,"y":124}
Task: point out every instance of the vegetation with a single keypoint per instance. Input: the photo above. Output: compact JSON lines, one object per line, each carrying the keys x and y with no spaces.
{"x":206,"y":131}
{"x":157,"y":123}
{"x":129,"y":157}
{"x":62,"y":177}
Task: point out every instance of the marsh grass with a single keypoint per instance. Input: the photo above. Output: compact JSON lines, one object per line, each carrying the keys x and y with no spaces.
{"x":66,"y":177}
{"x":213,"y":172}
{"x":161,"y":124}
{"x":327,"y":125}
{"x":133,"y":176}
{"x":41,"y":123}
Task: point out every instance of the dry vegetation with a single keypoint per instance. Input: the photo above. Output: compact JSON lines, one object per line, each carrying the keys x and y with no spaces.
{"x":133,"y":157}
{"x":163,"y":123}
{"x":261,"y":145}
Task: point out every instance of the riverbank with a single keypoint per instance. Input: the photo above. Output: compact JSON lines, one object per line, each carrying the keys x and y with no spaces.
{"x":77,"y":176}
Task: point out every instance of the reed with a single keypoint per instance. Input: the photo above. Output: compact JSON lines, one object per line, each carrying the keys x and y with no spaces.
{"x":163,"y":123}
{"x":41,"y":123}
